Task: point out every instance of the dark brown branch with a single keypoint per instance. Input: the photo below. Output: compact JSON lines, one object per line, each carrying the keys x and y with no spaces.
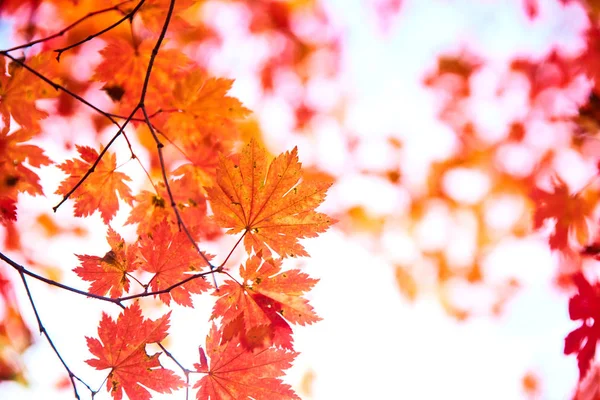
{"x":117,"y":300}
{"x":159,"y":144}
{"x":173,"y":286}
{"x":138,"y":119}
{"x":128,"y":16}
{"x":23,"y":270}
{"x":68,"y":28}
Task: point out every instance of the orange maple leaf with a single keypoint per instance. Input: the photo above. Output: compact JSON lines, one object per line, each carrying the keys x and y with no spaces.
{"x":234,"y":373}
{"x":151,"y":209}
{"x":123,"y":70}
{"x":272,"y":205}
{"x":256,"y":308}
{"x":170,"y":257}
{"x":22,"y":89}
{"x":571,"y":212}
{"x":122,"y":348}
{"x":205,"y":109}
{"x":204,"y":159}
{"x":15,"y":175}
{"x":108,"y":274}
{"x":99,"y":190}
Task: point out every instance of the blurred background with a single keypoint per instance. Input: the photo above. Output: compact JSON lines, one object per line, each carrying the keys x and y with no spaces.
{"x":443,"y":124}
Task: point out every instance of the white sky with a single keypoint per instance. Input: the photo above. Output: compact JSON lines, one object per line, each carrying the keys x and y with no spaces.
{"x":371,"y":344}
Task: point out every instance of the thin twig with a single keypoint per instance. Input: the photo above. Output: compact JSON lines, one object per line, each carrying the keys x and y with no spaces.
{"x":23,"y":270}
{"x":128,"y":16}
{"x":68,"y":28}
{"x":173,"y":286}
{"x":159,"y":145}
{"x":44,"y":332}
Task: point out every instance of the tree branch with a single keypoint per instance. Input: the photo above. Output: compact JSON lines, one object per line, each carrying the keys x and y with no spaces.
{"x":68,"y":28}
{"x":128,"y":16}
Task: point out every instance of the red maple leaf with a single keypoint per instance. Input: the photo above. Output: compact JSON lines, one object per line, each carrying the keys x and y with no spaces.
{"x":171,"y":257}
{"x":108,"y":274}
{"x":584,"y":306}
{"x":256,"y":308}
{"x":571,"y":213}
{"x":234,"y":373}
{"x":122,"y":348}
{"x":99,"y":190}
{"x":8,"y":210}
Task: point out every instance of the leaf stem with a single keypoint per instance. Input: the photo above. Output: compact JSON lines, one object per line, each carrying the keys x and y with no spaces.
{"x":234,"y":247}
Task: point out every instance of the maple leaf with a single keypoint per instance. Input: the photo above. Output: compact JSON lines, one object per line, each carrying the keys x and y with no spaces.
{"x":256,"y":308}
{"x":584,"y":306}
{"x":272,"y":205}
{"x":205,"y":109}
{"x":108,"y":274}
{"x":204,"y":159}
{"x":99,"y":190}
{"x":570,"y":211}
{"x":22,"y":89}
{"x":123,"y":70}
{"x":15,"y":175}
{"x":151,"y":209}
{"x":8,"y":210}
{"x":234,"y":373}
{"x":170,"y":257}
{"x":122,"y":348}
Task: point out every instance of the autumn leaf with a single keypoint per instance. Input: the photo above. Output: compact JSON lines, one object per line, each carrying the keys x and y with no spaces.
{"x":171,"y":257}
{"x":8,"y":210}
{"x":150,"y":209}
{"x":108,"y":274}
{"x":205,"y":109}
{"x":122,"y":348}
{"x":123,"y":70}
{"x":16,"y":157}
{"x":234,"y":373}
{"x":203,"y":156}
{"x":272,"y":205}
{"x":99,"y":190}
{"x":584,"y":306}
{"x":571,"y":213}
{"x":20,"y":91}
{"x":260,"y":308}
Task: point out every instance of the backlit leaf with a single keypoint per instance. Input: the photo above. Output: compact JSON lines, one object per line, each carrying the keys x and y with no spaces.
{"x":272,"y":204}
